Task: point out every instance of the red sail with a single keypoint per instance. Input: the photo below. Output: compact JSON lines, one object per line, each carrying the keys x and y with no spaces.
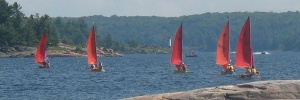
{"x":244,"y":55}
{"x":40,"y":54}
{"x":222,"y":54}
{"x":177,"y":48}
{"x":91,"y":48}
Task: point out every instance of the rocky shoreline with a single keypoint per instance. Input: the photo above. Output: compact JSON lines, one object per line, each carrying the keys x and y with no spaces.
{"x":260,"y":90}
{"x":64,"y":51}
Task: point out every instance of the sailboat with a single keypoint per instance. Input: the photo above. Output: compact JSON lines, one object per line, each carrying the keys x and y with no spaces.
{"x":176,"y":57}
{"x":191,"y":54}
{"x":41,"y":53}
{"x":244,"y":53}
{"x":222,"y":53}
{"x":92,"y":53}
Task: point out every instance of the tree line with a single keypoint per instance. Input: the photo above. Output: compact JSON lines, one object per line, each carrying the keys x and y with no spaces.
{"x":270,"y":31}
{"x":17,"y":29}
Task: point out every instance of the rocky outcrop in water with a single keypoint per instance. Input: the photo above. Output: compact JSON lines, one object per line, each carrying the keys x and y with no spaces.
{"x":63,"y":51}
{"x":261,"y":90}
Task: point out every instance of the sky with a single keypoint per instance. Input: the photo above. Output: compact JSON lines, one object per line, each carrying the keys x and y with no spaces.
{"x":163,"y":8}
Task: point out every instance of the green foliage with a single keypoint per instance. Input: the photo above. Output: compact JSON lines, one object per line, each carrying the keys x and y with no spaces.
{"x":78,"y":49}
{"x":56,"y":48}
{"x":270,"y":31}
{"x":108,"y":41}
{"x":5,"y":12}
{"x":72,"y":31}
{"x":16,"y":29}
{"x":132,"y":43}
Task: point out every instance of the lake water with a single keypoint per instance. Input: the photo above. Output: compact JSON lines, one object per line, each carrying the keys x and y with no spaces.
{"x":131,"y":75}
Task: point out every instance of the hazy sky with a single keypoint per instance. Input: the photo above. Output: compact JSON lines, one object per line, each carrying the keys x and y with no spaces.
{"x":164,"y":8}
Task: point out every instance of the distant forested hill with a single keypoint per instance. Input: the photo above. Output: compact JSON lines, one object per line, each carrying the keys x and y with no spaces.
{"x":18,"y":30}
{"x":270,"y":31}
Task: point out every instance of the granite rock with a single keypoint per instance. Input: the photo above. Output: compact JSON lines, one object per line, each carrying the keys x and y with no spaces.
{"x":260,"y":90}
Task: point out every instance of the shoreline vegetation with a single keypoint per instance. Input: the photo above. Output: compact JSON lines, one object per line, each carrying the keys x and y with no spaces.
{"x":63,"y":50}
{"x":260,"y":90}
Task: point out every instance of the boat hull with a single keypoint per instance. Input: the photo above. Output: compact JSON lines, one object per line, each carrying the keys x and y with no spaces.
{"x":44,"y":67}
{"x":180,"y":71}
{"x":226,"y":73}
{"x":245,"y":76}
{"x":47,"y":66}
{"x":249,"y":75}
{"x":191,"y":56}
{"x":97,"y":70}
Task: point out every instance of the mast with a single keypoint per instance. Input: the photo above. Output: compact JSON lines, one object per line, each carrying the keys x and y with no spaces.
{"x":252,"y":58}
{"x":170,"y":41}
{"x":228,"y":42}
{"x":95,"y":44}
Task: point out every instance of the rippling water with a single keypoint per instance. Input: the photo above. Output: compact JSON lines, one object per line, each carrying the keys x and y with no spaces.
{"x":131,"y":75}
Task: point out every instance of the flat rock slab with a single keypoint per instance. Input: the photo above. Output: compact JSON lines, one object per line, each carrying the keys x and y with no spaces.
{"x":274,"y":89}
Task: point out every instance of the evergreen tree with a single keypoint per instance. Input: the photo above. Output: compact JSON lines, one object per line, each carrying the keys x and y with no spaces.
{"x":108,"y":41}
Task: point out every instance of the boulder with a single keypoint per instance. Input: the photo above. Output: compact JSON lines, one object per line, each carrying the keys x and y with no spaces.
{"x":274,"y":89}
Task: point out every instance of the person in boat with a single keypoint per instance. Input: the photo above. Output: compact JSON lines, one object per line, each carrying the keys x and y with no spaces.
{"x":44,"y":64}
{"x":254,"y":71}
{"x":101,"y":67}
{"x":93,"y":66}
{"x":48,"y":62}
{"x":248,"y":71}
{"x":181,"y":67}
{"x":230,"y":68}
{"x":224,"y":68}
